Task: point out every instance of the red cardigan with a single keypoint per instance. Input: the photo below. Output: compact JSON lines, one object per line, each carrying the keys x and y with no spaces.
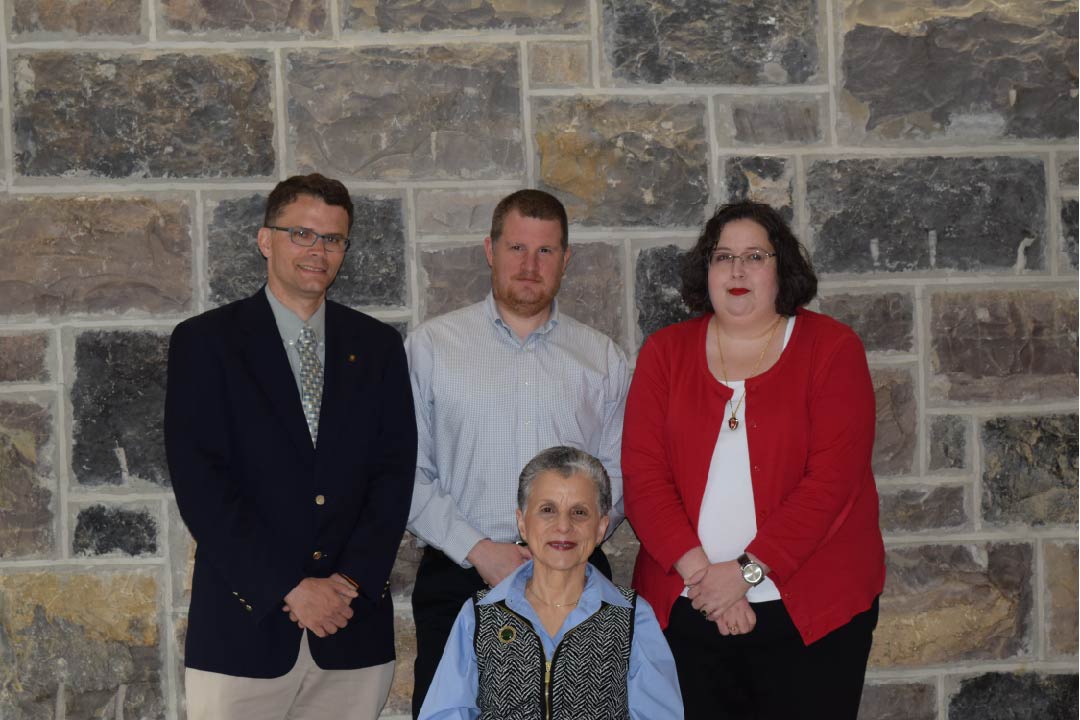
{"x":810,"y":430}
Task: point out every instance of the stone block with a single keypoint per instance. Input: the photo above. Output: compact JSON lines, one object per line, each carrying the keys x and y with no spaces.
{"x":373,"y":272}
{"x":97,"y":19}
{"x":535,"y":16}
{"x":402,"y":113}
{"x":957,"y":72}
{"x":622,"y":550}
{"x":114,"y":530}
{"x":771,"y":120}
{"x":456,"y":277}
{"x":1069,"y":231}
{"x":899,"y":701}
{"x":884,"y":321}
{"x":142,"y":115}
{"x":87,"y":641}
{"x":769,"y":180}
{"x":948,"y":442}
{"x":558,"y":64}
{"x":400,"y":700}
{"x":68,"y":255}
{"x":1061,"y":571}
{"x":1030,"y":470}
{"x":948,"y":603}
{"x":1068,"y":171}
{"x":623,"y":161}
{"x":657,"y":289}
{"x":976,"y":214}
{"x":896,"y":429}
{"x":1014,"y":696}
{"x":999,"y":345}
{"x":403,"y":576}
{"x":181,"y":556}
{"x":770,"y":42}
{"x":117,"y":401}
{"x":24,"y":358}
{"x":27,"y":481}
{"x":180,"y":636}
{"x":456,"y":212}
{"x":235,"y":18}
{"x":915,"y":509}
{"x":592,"y":289}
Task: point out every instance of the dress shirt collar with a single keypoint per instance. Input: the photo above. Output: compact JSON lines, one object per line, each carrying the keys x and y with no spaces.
{"x":289,"y":323}
{"x":492,"y":311}
{"x":597,"y":589}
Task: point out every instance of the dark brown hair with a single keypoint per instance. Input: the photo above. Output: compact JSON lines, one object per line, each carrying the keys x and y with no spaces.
{"x":535,"y":204}
{"x":331,"y":192}
{"x":795,"y":275}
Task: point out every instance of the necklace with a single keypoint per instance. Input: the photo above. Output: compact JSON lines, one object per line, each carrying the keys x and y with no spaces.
{"x":733,"y":422}
{"x":528,"y":588}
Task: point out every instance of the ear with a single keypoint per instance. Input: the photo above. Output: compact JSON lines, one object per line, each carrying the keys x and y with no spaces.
{"x":602,"y":530}
{"x":489,"y":250}
{"x":566,"y":258}
{"x":520,"y":524}
{"x":263,"y":238}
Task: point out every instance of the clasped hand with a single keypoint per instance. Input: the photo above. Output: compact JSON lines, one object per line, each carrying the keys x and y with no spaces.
{"x":718,"y":591}
{"x":321,"y":605}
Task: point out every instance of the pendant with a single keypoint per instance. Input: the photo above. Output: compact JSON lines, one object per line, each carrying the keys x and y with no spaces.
{"x":733,"y":423}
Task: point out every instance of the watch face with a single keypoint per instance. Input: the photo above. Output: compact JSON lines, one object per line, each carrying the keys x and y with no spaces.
{"x":751,"y":573}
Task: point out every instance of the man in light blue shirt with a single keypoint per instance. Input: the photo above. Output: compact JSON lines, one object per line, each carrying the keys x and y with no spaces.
{"x":493,"y":384}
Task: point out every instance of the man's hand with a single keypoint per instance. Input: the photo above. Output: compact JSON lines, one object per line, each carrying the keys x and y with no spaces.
{"x":495,"y":560}
{"x":321,"y":604}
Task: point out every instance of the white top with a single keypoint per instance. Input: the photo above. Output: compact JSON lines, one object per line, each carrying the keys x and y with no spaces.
{"x":728,"y":520}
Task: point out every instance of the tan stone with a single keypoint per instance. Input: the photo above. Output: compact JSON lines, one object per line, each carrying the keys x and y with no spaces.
{"x":94,"y":254}
{"x":622,"y":550}
{"x":23,"y":357}
{"x":181,"y":556}
{"x":76,"y":17}
{"x":239,"y":16}
{"x":400,"y":700}
{"x":899,"y":701}
{"x":450,"y":212}
{"x":27,"y":483}
{"x":895,"y":436}
{"x":1060,"y":567}
{"x":403,"y":575}
{"x":592,"y":290}
{"x":558,"y":64}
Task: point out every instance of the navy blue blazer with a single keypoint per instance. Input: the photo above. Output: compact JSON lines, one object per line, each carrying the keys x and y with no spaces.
{"x":265,"y":507}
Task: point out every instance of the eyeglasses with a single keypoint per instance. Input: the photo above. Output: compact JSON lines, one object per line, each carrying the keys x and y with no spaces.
{"x":753,"y":260}
{"x":306,"y":237}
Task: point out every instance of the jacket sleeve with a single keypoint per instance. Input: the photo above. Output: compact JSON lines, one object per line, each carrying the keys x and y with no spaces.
{"x":841,"y":442}
{"x":232,"y":538}
{"x":372,"y":547}
{"x":653,"y":503}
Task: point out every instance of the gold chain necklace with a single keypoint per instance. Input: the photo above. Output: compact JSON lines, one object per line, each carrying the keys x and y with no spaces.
{"x":733,"y":422}
{"x":528,"y":588}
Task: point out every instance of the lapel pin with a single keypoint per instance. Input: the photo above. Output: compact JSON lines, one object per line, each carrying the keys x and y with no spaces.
{"x":352,"y":358}
{"x":507,"y":634}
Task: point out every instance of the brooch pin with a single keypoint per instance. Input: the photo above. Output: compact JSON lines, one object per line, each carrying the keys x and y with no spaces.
{"x":507,"y":634}
{"x":352,"y":358}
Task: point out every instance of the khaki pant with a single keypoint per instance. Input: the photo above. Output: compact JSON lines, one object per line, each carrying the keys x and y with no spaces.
{"x":307,"y":692}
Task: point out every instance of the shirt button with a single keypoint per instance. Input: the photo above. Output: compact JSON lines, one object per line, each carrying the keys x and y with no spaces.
{"x":248,"y":608}
{"x":757,"y":468}
{"x":320,"y":500}
{"x":317,"y":555}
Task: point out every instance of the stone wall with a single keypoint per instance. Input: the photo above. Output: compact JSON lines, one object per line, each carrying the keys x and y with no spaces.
{"x":926,"y":151}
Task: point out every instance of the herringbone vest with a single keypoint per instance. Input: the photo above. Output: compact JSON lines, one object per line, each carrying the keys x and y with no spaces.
{"x":588,"y":670}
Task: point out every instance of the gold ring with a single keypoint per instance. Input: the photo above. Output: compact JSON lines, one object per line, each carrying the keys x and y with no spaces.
{"x":704,"y":613}
{"x":734,"y":629}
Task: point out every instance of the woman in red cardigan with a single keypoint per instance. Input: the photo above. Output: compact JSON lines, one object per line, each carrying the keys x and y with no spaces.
{"x":746,"y":462}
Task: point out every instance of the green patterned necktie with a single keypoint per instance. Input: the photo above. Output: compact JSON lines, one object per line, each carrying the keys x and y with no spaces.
{"x":311,"y":380}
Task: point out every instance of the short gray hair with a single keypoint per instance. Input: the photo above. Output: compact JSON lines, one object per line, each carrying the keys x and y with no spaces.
{"x":566,"y":461}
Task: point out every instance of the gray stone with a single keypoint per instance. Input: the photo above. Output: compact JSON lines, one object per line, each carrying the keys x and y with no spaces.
{"x":23,"y":357}
{"x":592,"y":289}
{"x":373,"y":272}
{"x":1061,"y":570}
{"x":997,"y":345}
{"x":899,"y":701}
{"x":456,"y":277}
{"x":64,"y":18}
{"x":769,"y":180}
{"x":623,"y":161}
{"x":115,"y":115}
{"x":768,"y":42}
{"x":657,"y":289}
{"x":243,"y":17}
{"x":929,"y":213}
{"x":117,"y":401}
{"x":948,"y":442}
{"x":925,"y":70}
{"x":885,"y":322}
{"x":622,"y":550}
{"x":27,"y":483}
{"x":949,"y":603}
{"x":914,"y":509}
{"x":896,"y":429}
{"x":450,"y":212}
{"x":1021,"y":695}
{"x":1030,"y":470}
{"x":104,"y":530}
{"x":117,"y":254}
{"x":769,"y":120}
{"x":401,"y":114}
{"x":1069,"y":230}
{"x":535,"y":16}
{"x":558,"y":64}
{"x":403,"y":575}
{"x":1068,"y":171}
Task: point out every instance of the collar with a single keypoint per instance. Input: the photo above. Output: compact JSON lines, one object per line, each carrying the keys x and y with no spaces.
{"x":492,"y":312}
{"x":289,"y":323}
{"x":597,"y":589}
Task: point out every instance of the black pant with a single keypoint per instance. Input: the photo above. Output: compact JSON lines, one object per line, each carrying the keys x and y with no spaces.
{"x":768,"y":674}
{"x":442,"y":587}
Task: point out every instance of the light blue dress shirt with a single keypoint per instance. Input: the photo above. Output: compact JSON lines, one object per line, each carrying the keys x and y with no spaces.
{"x":652,"y":683}
{"x":488,"y":402}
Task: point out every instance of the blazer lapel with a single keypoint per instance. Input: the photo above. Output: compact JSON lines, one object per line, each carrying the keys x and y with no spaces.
{"x":264,"y":355}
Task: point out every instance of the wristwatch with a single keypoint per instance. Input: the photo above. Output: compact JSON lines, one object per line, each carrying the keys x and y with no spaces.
{"x":751,"y":571}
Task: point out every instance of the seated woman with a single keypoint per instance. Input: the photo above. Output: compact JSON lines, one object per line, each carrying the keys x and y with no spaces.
{"x":556,"y":640}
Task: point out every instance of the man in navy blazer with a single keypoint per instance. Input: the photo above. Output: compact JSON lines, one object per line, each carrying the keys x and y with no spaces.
{"x":297,"y":511}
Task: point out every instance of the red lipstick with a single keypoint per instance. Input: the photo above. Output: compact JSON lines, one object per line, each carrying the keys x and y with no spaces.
{"x":738,"y":291}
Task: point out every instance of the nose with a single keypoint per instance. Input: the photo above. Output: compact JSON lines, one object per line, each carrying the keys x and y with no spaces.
{"x":738,"y":266}
{"x":531,"y":262}
{"x":562,"y":522}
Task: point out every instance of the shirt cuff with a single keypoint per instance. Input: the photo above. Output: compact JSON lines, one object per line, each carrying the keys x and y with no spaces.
{"x":458,"y":548}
